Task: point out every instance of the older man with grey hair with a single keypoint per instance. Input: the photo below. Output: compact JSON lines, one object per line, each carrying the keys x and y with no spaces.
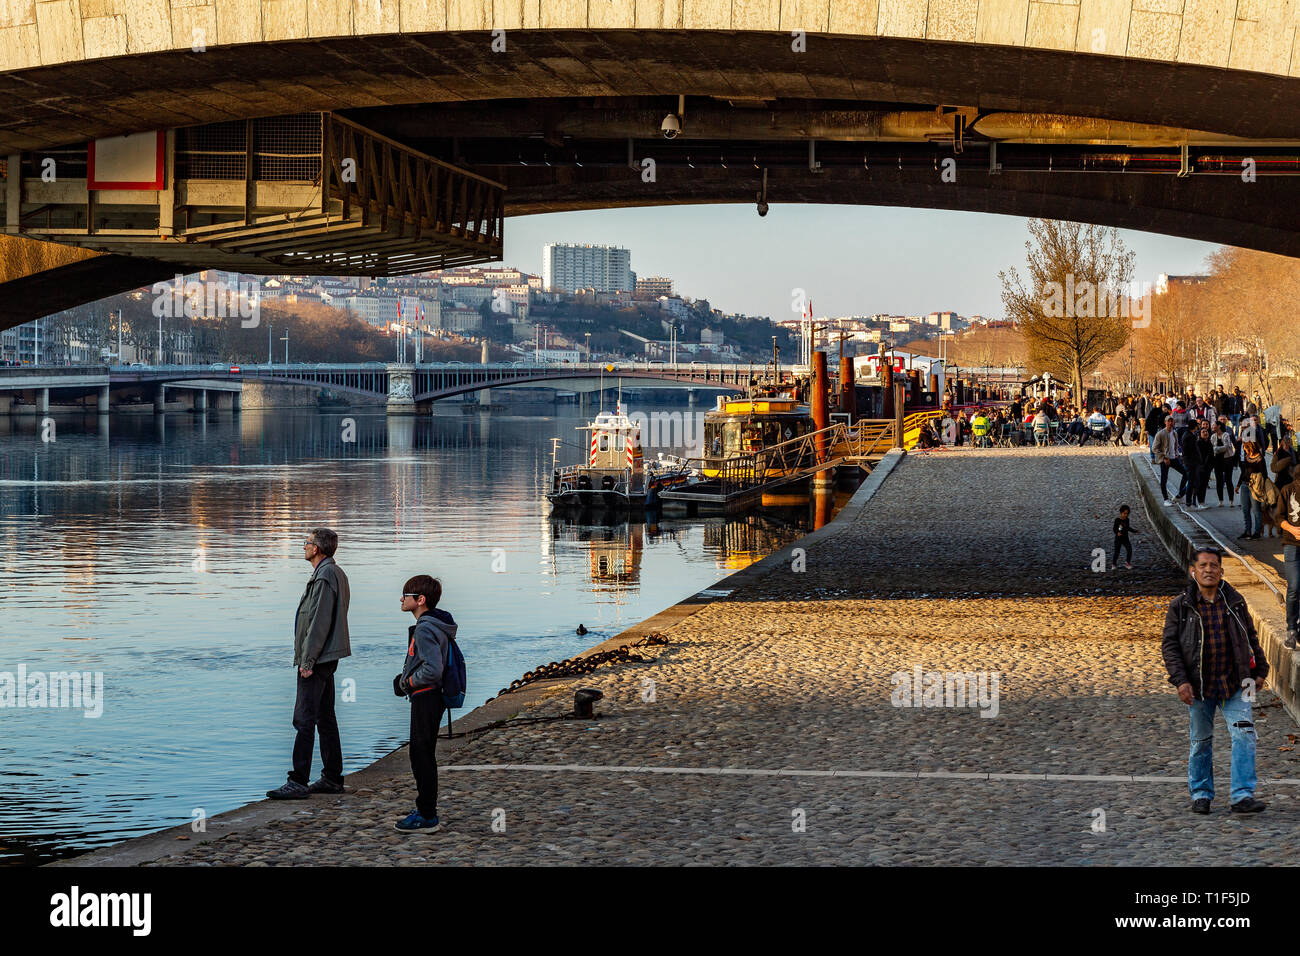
{"x":320,"y":641}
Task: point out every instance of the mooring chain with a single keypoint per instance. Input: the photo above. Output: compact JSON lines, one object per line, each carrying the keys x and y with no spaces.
{"x":577,"y":666}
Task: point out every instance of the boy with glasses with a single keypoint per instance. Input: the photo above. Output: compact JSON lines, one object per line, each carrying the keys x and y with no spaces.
{"x":421,"y":682}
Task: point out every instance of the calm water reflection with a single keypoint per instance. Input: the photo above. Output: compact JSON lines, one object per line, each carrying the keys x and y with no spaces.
{"x":167,"y":556}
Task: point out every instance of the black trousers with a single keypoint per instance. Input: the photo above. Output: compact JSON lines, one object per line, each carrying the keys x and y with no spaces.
{"x":1128,"y":551}
{"x":1198,"y":479}
{"x":426,"y":715}
{"x":314,"y":710}
{"x":1223,"y":476}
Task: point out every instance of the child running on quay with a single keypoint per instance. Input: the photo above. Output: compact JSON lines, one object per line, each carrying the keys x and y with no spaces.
{"x":1122,"y":531}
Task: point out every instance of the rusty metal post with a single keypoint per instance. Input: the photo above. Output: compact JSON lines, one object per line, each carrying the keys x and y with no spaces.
{"x":848,"y":390}
{"x":820,"y":413}
{"x":886,"y":391}
{"x":898,"y":414}
{"x":934,"y":390}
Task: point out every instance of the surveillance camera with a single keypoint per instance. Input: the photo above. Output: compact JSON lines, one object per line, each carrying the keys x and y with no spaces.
{"x":762,"y":208}
{"x":671,"y":126}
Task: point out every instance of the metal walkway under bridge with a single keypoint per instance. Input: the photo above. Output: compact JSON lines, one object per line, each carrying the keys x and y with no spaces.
{"x":310,"y":193}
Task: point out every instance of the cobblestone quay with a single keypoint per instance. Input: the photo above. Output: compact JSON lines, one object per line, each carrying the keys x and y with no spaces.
{"x":772,"y":735}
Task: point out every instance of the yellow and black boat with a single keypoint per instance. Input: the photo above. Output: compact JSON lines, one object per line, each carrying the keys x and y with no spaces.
{"x":742,"y":426}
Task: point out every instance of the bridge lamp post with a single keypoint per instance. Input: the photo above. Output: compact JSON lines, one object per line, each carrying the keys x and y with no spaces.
{"x":270,"y":356}
{"x":285,"y":340}
{"x":588,"y":334}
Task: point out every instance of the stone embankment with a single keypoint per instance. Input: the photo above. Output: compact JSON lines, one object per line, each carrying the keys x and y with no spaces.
{"x":770,"y":729}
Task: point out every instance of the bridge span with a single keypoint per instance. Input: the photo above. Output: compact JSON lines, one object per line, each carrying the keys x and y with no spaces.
{"x":405,"y":387}
{"x":338,"y":138}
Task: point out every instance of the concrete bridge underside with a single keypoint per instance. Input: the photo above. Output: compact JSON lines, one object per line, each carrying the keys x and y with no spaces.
{"x":76,"y":70}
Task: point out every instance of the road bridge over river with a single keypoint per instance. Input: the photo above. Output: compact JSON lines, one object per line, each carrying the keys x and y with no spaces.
{"x":344,"y":138}
{"x":405,"y":387}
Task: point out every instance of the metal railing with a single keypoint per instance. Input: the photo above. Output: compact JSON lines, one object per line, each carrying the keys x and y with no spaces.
{"x":392,"y":182}
{"x":566,"y":479}
{"x":798,"y":457}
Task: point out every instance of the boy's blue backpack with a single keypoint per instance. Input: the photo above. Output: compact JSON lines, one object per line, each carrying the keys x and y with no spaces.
{"x":453,"y":677}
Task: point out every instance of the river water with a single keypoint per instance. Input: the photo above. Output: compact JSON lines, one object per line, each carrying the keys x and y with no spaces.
{"x":163,"y":556}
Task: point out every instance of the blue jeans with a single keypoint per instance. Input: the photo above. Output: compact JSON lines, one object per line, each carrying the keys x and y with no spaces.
{"x":1291,"y":565}
{"x":1241,"y":728}
{"x":1250,"y":506}
{"x":1151,"y":444}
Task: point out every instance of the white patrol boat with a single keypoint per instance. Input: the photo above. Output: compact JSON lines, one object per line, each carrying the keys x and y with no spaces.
{"x":616,"y":474}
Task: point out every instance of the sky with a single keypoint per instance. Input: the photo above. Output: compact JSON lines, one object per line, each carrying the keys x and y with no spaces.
{"x":850,"y":260}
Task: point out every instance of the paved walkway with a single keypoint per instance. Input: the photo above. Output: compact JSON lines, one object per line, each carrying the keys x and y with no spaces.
{"x":964,"y":561}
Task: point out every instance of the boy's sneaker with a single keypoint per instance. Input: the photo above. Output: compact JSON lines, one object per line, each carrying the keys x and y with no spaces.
{"x":292,"y":790}
{"x":1248,"y":805}
{"x":326,"y":786}
{"x":1201,"y":805}
{"x":1127,"y":566}
{"x":415,"y":823}
{"x":1168,"y":502}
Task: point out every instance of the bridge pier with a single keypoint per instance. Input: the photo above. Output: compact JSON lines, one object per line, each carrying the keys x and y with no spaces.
{"x":42,"y":401}
{"x":6,"y":404}
{"x":160,"y":400}
{"x":691,"y":398}
{"x":101,"y":404}
{"x":237,"y":400}
{"x":201,"y":400}
{"x":401,"y":390}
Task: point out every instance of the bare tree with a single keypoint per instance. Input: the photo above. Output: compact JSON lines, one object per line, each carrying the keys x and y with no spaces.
{"x":1071,"y":311}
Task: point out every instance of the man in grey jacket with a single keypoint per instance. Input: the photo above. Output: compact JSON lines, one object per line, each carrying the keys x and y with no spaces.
{"x":320,"y":641}
{"x":1165,"y":449}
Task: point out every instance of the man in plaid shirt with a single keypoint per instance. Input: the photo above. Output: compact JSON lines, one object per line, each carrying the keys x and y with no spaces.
{"x":1214,"y":658}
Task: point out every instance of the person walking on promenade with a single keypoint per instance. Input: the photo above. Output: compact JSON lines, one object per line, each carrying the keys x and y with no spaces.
{"x":1198,"y":459}
{"x":1165,"y":447}
{"x":1210,"y":650}
{"x":1225,"y":455}
{"x":1122,"y":413}
{"x":1252,"y":465}
{"x":421,"y":681}
{"x":1284,"y":461}
{"x":1287,"y":517}
{"x":1154,"y":423}
{"x":1122,"y":531}
{"x":320,"y":641}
